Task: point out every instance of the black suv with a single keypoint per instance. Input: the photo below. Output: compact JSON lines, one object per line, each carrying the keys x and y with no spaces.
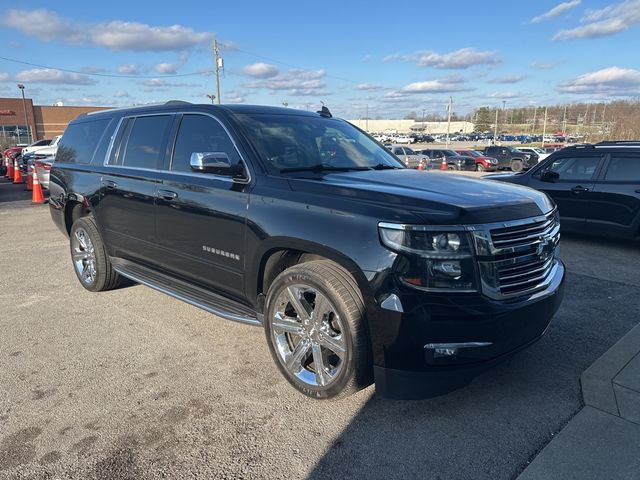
{"x":454,"y":160}
{"x":356,"y":267}
{"x":509,"y":157}
{"x":596,"y":187}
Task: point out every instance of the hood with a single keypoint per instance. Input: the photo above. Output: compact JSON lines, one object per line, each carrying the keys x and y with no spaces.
{"x":435,"y":198}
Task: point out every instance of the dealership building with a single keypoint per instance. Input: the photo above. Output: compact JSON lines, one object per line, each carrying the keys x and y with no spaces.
{"x":23,"y":122}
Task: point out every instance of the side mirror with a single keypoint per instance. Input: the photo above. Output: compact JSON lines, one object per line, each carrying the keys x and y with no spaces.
{"x":549,"y":176}
{"x":215,"y":162}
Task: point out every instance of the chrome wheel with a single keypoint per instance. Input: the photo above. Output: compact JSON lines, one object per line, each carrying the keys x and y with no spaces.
{"x":84,"y":256}
{"x":308,"y":335}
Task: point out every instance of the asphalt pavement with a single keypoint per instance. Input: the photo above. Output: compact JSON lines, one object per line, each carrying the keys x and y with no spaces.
{"x":134,"y":384}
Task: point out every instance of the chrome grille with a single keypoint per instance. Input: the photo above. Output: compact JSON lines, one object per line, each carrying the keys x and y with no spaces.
{"x":518,"y":258}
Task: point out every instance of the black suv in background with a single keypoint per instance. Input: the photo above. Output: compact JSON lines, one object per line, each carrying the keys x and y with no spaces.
{"x":454,"y":160}
{"x":356,"y":267}
{"x":509,"y":157}
{"x":596,"y":187}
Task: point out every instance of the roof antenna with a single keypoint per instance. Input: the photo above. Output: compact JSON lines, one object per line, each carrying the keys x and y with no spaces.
{"x":324,"y":111}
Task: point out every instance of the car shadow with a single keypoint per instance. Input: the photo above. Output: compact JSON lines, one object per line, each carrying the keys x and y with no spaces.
{"x":494,"y":426}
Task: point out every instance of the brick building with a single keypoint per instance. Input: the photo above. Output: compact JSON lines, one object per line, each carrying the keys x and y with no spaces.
{"x":42,"y":121}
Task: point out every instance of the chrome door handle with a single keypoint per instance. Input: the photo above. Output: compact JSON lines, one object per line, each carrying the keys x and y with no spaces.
{"x":579,"y":189}
{"x":167,"y":195}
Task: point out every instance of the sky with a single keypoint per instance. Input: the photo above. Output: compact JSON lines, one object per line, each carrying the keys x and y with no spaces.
{"x":381,"y":59}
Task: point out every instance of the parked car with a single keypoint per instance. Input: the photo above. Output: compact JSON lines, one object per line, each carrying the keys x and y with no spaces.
{"x":52,"y":148}
{"x":535,"y":150}
{"x":453,"y":160}
{"x":43,"y":170}
{"x":509,"y":157}
{"x":483,"y":163}
{"x":35,"y":146}
{"x":404,"y":139}
{"x":596,"y":187}
{"x":408,"y":156}
{"x":357,"y":267}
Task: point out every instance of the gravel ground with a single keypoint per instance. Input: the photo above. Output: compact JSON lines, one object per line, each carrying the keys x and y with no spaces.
{"x":132,"y":384}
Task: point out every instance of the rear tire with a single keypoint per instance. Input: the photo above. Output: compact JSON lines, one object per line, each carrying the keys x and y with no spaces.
{"x":517,"y":165}
{"x":315,"y":316}
{"x":89,"y":257}
{"x":479,"y":167}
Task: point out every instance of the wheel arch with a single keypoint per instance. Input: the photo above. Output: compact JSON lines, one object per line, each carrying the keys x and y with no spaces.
{"x":278,"y":254}
{"x":75,"y":207}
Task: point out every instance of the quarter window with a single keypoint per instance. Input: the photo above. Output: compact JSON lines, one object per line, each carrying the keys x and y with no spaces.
{"x":200,"y":133}
{"x":80,"y":140}
{"x":623,"y":169}
{"x":144,"y":147}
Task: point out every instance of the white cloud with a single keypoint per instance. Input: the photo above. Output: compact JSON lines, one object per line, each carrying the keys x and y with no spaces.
{"x":454,"y":83}
{"x":261,"y":70}
{"x":504,"y":95}
{"x":611,"y":81}
{"x":121,"y":94}
{"x":166,"y":68}
{"x":234,"y":96}
{"x":4,"y":77}
{"x":543,"y":65}
{"x":369,"y":87}
{"x":605,"y":21}
{"x":460,"y":59}
{"x":556,"y":11}
{"x":508,"y":79}
{"x":46,"y":75}
{"x":115,"y":35}
{"x":129,"y":69}
{"x":294,"y":82}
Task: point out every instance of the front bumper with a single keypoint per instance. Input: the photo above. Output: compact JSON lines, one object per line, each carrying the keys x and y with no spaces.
{"x":407,"y":364}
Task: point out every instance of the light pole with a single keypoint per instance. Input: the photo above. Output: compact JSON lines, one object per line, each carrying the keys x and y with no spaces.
{"x":211,"y":97}
{"x":24,"y":107}
{"x":285,"y":104}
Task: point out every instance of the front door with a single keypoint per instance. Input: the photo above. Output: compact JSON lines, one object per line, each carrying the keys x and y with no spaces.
{"x":575,"y":179}
{"x":201,"y":216}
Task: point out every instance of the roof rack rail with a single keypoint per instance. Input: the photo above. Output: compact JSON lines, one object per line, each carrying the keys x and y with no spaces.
{"x":177,"y":102}
{"x":619,"y":142}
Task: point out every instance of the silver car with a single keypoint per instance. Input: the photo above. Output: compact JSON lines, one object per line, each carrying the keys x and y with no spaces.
{"x":408,"y":156}
{"x":43,"y":168}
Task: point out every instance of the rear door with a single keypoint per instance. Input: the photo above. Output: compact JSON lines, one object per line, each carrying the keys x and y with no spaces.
{"x":576,"y":177}
{"x":126,"y":211}
{"x":615,"y":200}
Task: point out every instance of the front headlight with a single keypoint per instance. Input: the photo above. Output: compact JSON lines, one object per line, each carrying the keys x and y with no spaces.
{"x":432,"y":258}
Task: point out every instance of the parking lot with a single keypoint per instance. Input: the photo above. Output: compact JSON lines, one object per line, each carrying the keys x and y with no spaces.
{"x":134,"y":384}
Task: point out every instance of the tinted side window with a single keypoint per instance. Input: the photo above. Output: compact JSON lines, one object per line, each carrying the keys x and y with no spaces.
{"x":623,"y":169}
{"x":575,"y":168}
{"x":200,"y":133}
{"x":80,"y":141}
{"x":145,"y":144}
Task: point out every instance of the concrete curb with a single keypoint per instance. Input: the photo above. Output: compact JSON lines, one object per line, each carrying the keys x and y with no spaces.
{"x":612,"y":383}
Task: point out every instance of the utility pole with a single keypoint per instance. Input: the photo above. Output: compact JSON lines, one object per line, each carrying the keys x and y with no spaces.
{"x":26,"y":120}
{"x":495,"y":128}
{"x":544,"y":128}
{"x":564,"y":121}
{"x":449,"y":120}
{"x":218,"y":65}
{"x":367,"y":119}
{"x":533,"y":125}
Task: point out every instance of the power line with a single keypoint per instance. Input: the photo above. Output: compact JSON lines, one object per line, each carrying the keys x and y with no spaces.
{"x":111,"y":75}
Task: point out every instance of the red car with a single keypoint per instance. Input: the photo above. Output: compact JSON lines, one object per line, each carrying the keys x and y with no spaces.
{"x":483,"y":164}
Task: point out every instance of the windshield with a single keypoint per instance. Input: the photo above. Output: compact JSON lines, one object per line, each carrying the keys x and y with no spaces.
{"x":292,"y":142}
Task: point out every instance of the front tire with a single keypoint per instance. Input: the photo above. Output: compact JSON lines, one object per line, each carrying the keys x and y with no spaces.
{"x":517,"y":165}
{"x":479,"y":167}
{"x":89,"y":256}
{"x":316,"y":330}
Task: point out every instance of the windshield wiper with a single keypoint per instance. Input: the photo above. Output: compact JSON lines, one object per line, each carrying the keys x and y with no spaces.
{"x":321,"y":168}
{"x":385,"y":166}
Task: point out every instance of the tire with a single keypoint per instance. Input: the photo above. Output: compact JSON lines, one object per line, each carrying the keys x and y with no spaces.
{"x":517,"y":165}
{"x":339,"y":339}
{"x":89,"y":257}
{"x":479,"y":167}
{"x":451,"y":167}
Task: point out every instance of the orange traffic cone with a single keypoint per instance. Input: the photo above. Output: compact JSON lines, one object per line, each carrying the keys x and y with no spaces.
{"x":9,"y":168}
{"x":37,"y":196}
{"x":421,"y":165}
{"x":17,"y":175}
{"x":30,"y":175}
{"x":444,"y":163}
